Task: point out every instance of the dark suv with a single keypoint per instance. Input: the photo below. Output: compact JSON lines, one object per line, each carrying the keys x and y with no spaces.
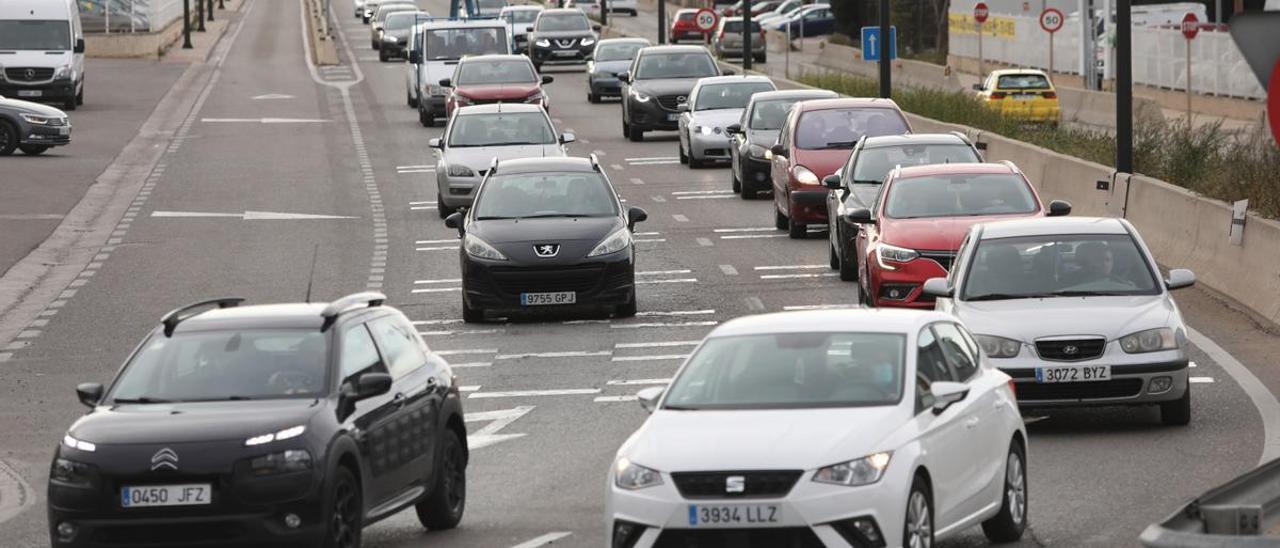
{"x":260,"y":425}
{"x":561,"y":36}
{"x":660,"y":78}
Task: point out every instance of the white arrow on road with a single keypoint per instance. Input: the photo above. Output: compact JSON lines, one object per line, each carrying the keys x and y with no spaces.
{"x":247,"y":216}
{"x":489,"y":435}
{"x":270,"y":96}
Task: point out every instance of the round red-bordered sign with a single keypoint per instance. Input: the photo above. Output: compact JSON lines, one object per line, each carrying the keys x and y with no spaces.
{"x":980,"y":12}
{"x":1273,"y":102}
{"x":1051,"y":20}
{"x":706,"y":19}
{"x":1190,"y":26}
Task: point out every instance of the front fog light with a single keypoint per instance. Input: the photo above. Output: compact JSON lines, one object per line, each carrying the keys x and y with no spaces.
{"x":859,"y":532}
{"x":626,"y":534}
{"x":66,"y":530}
{"x":1160,"y":385}
{"x":292,"y":521}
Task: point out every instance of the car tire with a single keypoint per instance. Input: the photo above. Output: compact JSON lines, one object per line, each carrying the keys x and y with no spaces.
{"x":626,"y":129}
{"x":411,"y":100}
{"x":69,"y":104}
{"x":833,"y":260}
{"x":780,"y":221}
{"x":80,"y":96}
{"x":848,"y":269}
{"x":382,"y":56}
{"x":918,"y":524}
{"x":425,"y":117}
{"x":797,"y":231}
{"x":684,"y":158}
{"x":592,"y":98}
{"x":636,"y":135}
{"x":8,"y":138}
{"x":442,"y":209}
{"x":443,"y":508}
{"x":1177,"y":412}
{"x":737,"y":184}
{"x":343,"y":511}
{"x":537,"y":67}
{"x":1009,"y":524}
{"x":33,"y":150}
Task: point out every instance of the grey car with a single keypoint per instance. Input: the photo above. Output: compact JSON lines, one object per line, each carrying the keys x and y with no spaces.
{"x":660,"y":78}
{"x":727,"y":41}
{"x":479,"y":135}
{"x":714,"y":104}
{"x":756,"y":131}
{"x":612,"y":56}
{"x":31,"y":127}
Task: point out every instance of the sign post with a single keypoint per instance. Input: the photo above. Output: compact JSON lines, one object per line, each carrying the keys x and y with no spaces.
{"x":1190,"y":28}
{"x":980,"y":16}
{"x":1051,"y":22}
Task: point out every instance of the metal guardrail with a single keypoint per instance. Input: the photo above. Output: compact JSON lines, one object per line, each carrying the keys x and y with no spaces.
{"x":1242,"y":513}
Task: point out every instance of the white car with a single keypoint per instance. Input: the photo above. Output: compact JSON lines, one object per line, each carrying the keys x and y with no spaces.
{"x":824,"y":428}
{"x":519,"y":18}
{"x":714,"y":104}
{"x":1075,"y":310}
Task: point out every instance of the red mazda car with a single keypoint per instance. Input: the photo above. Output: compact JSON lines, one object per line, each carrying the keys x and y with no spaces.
{"x":495,"y":79}
{"x":815,"y":141}
{"x":922,"y":216}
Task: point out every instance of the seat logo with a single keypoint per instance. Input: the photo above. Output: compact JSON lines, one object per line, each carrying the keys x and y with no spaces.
{"x":735,"y":484}
{"x":546,"y":250}
{"x":164,"y":459}
{"x":1070,"y":350}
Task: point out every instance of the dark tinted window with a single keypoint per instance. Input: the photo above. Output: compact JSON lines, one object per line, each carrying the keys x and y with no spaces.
{"x":959,"y":195}
{"x":525,"y":195}
{"x":841,"y":128}
{"x":722,"y":96}
{"x":618,"y":51}
{"x":37,"y":35}
{"x":1023,"y":81}
{"x":564,"y":21}
{"x":448,"y":44}
{"x":494,"y":129}
{"x":736,"y":26}
{"x":675,"y":65}
{"x":957,"y":351}
{"x":506,"y":71}
{"x":874,"y":163}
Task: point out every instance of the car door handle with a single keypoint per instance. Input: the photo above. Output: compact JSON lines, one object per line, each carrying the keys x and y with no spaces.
{"x":972,"y":422}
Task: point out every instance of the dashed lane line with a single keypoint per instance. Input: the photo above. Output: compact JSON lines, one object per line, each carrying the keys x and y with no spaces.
{"x":648,"y":325}
{"x":653,"y":358}
{"x":637,"y":382}
{"x":543,"y":540}
{"x":799,"y":276}
{"x":563,"y":354}
{"x":534,"y":393}
{"x":793,"y":267}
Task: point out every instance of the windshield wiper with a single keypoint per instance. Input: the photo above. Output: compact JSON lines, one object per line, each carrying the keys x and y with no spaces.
{"x":1009,"y":296}
{"x":678,"y":408}
{"x":514,"y":143}
{"x":838,"y":144}
{"x":493,"y":218}
{"x":140,"y":399}
{"x":551,"y":215}
{"x":866,"y":182}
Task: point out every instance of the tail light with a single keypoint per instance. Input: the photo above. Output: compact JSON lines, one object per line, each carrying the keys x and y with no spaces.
{"x":1050,"y":95}
{"x":1013,"y":388}
{"x":721,"y":35}
{"x":997,"y":95}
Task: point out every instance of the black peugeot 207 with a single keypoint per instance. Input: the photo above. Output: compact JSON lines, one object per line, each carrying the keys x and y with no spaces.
{"x":284,"y":424}
{"x":546,"y":233}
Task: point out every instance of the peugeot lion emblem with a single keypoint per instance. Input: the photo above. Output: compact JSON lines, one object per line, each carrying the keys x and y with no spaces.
{"x":164,"y":459}
{"x":735,"y":484}
{"x":1070,"y":349}
{"x":31,"y":74}
{"x":546,"y":250}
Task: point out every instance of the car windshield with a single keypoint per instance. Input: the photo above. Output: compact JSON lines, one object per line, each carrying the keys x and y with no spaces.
{"x":792,"y":371}
{"x":504,"y":71}
{"x":35,"y":35}
{"x":770,"y":114}
{"x":685,"y":16}
{"x":501,"y":129}
{"x":451,"y":44}
{"x":401,"y":21}
{"x":618,"y":51}
{"x":522,"y":16}
{"x":960,"y":195}
{"x":735,"y":95}
{"x":675,"y":65}
{"x":1023,"y":81}
{"x":735,"y":26}
{"x":226,"y":365}
{"x":563,"y":22}
{"x":841,"y":128}
{"x":1058,"y":266}
{"x":525,"y":195}
{"x":874,"y":163}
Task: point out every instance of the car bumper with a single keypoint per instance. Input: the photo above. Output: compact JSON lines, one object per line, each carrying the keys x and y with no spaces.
{"x":808,"y":206}
{"x":458,"y":191}
{"x":736,"y":49}
{"x":1044,"y":112}
{"x":1130,"y":384}
{"x":605,"y":85}
{"x":45,"y":135}
{"x":434,"y":104}
{"x":650,"y":116}
{"x":755,"y":171}
{"x":901,"y":287}
{"x":56,"y":90}
{"x":710,"y":147}
{"x":560,"y":56}
{"x":688,"y":35}
{"x":393,"y":49}
{"x":598,"y":281}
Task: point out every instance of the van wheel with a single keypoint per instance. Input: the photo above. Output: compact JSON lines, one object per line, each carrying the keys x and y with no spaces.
{"x":443,"y":508}
{"x":1008,"y":525}
{"x":80,"y":95}
{"x":33,"y":150}
{"x":917,"y":530}
{"x":1177,"y":412}
{"x":8,"y":138}
{"x":343,"y":512}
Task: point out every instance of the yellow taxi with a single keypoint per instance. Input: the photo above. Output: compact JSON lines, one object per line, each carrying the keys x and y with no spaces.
{"x":1026,"y":94}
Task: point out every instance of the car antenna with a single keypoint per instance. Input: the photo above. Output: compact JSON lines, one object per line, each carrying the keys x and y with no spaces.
{"x":312,"y":276}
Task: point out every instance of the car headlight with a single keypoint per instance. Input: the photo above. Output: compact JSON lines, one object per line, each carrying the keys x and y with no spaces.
{"x":456,"y":170}
{"x":896,"y":254}
{"x":389,"y":38}
{"x":287,"y":433}
{"x":537,"y":97}
{"x":542,"y":43}
{"x":998,"y":347}
{"x":705,"y":130}
{"x":63,"y":72}
{"x":631,"y":476}
{"x":862,"y":471}
{"x":1151,"y":340}
{"x":82,"y":445}
{"x":481,"y":249}
{"x":38,"y":120}
{"x":69,"y":471}
{"x":804,"y":176}
{"x":437,"y":90}
{"x":588,"y":41}
{"x":757,"y":151}
{"x":639,"y":96}
{"x":293,"y":460}
{"x":614,"y":243}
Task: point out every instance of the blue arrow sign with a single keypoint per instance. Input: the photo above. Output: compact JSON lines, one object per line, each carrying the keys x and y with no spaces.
{"x":871,"y":43}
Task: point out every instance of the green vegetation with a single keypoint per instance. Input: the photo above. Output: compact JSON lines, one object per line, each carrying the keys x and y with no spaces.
{"x":1205,"y":159}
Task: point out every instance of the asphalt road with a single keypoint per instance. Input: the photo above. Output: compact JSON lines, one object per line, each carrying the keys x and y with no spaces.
{"x":549,"y":397}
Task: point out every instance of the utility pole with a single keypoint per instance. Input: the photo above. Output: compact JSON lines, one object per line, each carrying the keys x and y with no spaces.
{"x":747,"y":56}
{"x":1124,"y":87}
{"x":662,"y":22}
{"x":186,"y":24}
{"x":886,"y":42}
{"x":210,"y":10}
{"x":200,"y":14}
{"x":604,"y":13}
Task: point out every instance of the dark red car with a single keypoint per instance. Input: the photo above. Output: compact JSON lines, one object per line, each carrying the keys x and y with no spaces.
{"x":815,"y":141}
{"x":495,"y":79}
{"x":683,"y":27}
{"x":921,"y":217}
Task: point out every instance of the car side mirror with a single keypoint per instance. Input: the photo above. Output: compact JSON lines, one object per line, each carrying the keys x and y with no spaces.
{"x":547,"y":79}
{"x":415,"y":57}
{"x":937,"y":287}
{"x":980,"y":146}
{"x":446,"y":82}
{"x":832,"y":181}
{"x":977,"y":87}
{"x":435,"y":142}
{"x":595,"y":28}
{"x":79,"y":47}
{"x":528,"y":29}
{"x":733,"y":129}
{"x":566,"y":138}
{"x":946,"y":393}
{"x":1059,"y":208}
{"x":89,"y":393}
{"x":624,"y":76}
{"x":728,"y":73}
{"x":636,"y":215}
{"x":369,"y":385}
{"x":682,"y":107}
{"x":1180,"y":278}
{"x":859,"y":216}
{"x":778,"y":150}
{"x":649,"y":397}
{"x":454,"y":220}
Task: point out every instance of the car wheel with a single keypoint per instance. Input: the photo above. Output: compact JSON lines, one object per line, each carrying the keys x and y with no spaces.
{"x":1177,"y":412}
{"x":917,"y":530}
{"x":471,"y":315}
{"x":8,"y":138}
{"x":382,"y":56}
{"x":1008,"y":525}
{"x":409,"y":100}
{"x":442,"y":209}
{"x":537,"y":67}
{"x":443,"y":508}
{"x":80,"y":95}
{"x":636,"y":135}
{"x":33,"y":150}
{"x":684,"y":158}
{"x":425,"y":117}
{"x":626,"y":310}
{"x":737,"y":184}
{"x":592,"y":98}
{"x":832,"y":258}
{"x":864,"y":295}
{"x":626,"y":129}
{"x":780,"y":221}
{"x":848,"y":269}
{"x":343,"y":511}
{"x":797,"y":231}
{"x":69,"y":104}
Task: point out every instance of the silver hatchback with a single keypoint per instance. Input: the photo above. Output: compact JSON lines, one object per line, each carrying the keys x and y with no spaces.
{"x":727,"y":41}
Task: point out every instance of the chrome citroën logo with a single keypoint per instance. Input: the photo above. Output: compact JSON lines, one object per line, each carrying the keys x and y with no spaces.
{"x":164,"y":459}
{"x":546,"y":250}
{"x":1070,"y":350}
{"x":735,"y":484}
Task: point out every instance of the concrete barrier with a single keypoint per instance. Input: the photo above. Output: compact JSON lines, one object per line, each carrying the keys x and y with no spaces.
{"x":132,"y":44}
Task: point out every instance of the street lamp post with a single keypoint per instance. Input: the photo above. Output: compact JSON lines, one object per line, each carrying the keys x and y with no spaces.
{"x":200,"y":15}
{"x":186,"y":24}
{"x":886,"y":88}
{"x":662,"y":22}
{"x":747,"y":56}
{"x":1124,"y":88}
{"x":210,"y":10}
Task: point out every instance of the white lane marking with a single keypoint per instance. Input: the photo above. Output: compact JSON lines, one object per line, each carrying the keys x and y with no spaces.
{"x":662,"y":324}
{"x":271,"y":96}
{"x":659,"y":344}
{"x":432,"y":202}
{"x":461,"y":332}
{"x":1262,"y":397}
{"x":794,"y":267}
{"x":653,"y":158}
{"x":543,"y":540}
{"x":615,"y":399}
{"x":819,"y":307}
{"x":599,"y":152}
{"x":755,"y":304}
{"x":440,"y":281}
{"x":489,"y":435}
{"x":645,"y":233}
{"x":615,"y":167}
{"x":1191,"y":363}
{"x":263,"y":121}
{"x":654,"y":358}
{"x":473,"y":388}
{"x":696,"y":192}
{"x":446,"y":248}
{"x":422,"y":208}
{"x":728,"y":270}
{"x":676,"y":313}
{"x":706,"y":197}
{"x":1201,"y":380}
{"x":653,"y":163}
{"x":793,"y":276}
{"x":704,"y":242}
{"x":534,"y":393}
{"x":635,"y":382}
{"x":565,"y":354}
{"x":669,"y":281}
{"x":659,"y":199}
{"x":680,"y":218}
{"x":424,"y":166}
{"x":637,"y":180}
{"x":30,"y":217}
{"x":746,"y":229}
{"x":246,"y":216}
{"x":650,"y":240}
{"x":751,"y":236}
{"x":471,"y":364}
{"x":435,"y":290}
{"x":466,"y":351}
{"x":431,"y":242}
{"x":662,"y":272}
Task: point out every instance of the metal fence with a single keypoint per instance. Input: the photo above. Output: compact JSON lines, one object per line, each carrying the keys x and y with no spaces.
{"x":110,"y":16}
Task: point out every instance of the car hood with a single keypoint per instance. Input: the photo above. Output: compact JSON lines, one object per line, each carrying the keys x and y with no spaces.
{"x":515,"y":238}
{"x":823,"y":162}
{"x":611,"y":67}
{"x":192,"y":422}
{"x":1029,"y":319}
{"x":763,"y":137}
{"x":936,"y":233}
{"x":665,"y":86}
{"x":498,"y":91}
{"x":805,"y":439}
{"x":717,"y":118}
{"x":27,"y":107}
{"x":553,"y":34}
{"x":481,"y":157}
{"x":37,"y":58}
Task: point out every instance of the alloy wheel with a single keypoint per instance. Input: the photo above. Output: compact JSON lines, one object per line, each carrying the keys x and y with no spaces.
{"x":1016,"y":488}
{"x":344,"y":523}
{"x":919,"y":522}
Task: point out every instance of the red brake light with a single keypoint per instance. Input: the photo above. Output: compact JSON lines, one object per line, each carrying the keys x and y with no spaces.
{"x":997,"y":95}
{"x":1013,"y":388}
{"x":1050,"y":95}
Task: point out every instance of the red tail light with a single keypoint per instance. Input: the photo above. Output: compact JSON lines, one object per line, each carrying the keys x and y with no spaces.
{"x":721,"y":35}
{"x":1050,"y":95}
{"x":1013,"y":388}
{"x":997,"y":95}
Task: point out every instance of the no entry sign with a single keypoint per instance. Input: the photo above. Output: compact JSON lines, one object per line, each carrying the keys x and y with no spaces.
{"x":1190,"y":26}
{"x":980,"y":12}
{"x":1051,"y":20}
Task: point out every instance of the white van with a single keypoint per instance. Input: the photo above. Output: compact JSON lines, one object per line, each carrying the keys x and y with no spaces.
{"x":437,"y":45}
{"x":42,"y":51}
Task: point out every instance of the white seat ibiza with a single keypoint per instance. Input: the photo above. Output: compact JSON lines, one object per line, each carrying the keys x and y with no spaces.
{"x":862,"y":428}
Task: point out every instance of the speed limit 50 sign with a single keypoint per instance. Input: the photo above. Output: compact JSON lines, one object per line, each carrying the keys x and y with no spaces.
{"x":705,"y":19}
{"x":1051,"y":20}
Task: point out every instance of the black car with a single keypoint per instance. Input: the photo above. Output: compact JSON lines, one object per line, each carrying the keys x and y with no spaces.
{"x":263,"y":425}
{"x":756,"y":132}
{"x":660,"y":78}
{"x":546,"y":234}
{"x":561,"y":36}
{"x":858,"y":183}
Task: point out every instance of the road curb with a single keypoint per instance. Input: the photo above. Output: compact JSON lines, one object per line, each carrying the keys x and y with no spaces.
{"x":15,"y":494}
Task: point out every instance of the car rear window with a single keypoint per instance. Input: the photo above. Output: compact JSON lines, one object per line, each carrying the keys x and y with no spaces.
{"x":841,"y":128}
{"x":506,"y":71}
{"x":618,"y":51}
{"x":736,"y":26}
{"x":686,"y":17}
{"x":1023,"y":81}
{"x":959,"y":195}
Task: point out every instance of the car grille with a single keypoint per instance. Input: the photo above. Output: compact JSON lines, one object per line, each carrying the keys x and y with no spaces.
{"x":1119,"y":388}
{"x":760,"y":484}
{"x":782,"y":537}
{"x":514,"y":281}
{"x":1071,"y":350}
{"x":943,"y":258}
{"x":565,"y":42}
{"x":669,"y":102}
{"x":28,"y":74}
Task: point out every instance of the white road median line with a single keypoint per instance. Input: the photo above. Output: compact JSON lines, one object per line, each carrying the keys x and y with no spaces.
{"x":471,"y":364}
{"x":650,"y":240}
{"x":662,"y":324}
{"x":794,"y":276}
{"x":1201,"y":380}
{"x":728,"y":270}
{"x":635,"y":382}
{"x":793,"y":267}
{"x":543,"y":540}
{"x":668,"y":281}
{"x":655,"y":358}
{"x":662,"y":272}
{"x":437,"y":322}
{"x":489,"y":435}
{"x":430,"y":242}
{"x":1266,"y":403}
{"x":431,"y":202}
{"x":659,"y":344}
{"x":448,"y":248}
{"x":534,"y":393}
{"x":567,"y":354}
{"x":462,"y":332}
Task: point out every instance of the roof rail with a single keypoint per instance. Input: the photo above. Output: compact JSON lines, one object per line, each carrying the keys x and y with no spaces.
{"x":961,"y":135}
{"x":367,"y":299}
{"x":177,"y":316}
{"x":595,"y":163}
{"x":1012,"y":166}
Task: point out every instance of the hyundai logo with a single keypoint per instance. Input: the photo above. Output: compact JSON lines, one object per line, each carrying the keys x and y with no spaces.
{"x":735,"y":484}
{"x":1070,"y":350}
{"x":31,"y":74}
{"x":546,"y":250}
{"x":164,"y":459}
